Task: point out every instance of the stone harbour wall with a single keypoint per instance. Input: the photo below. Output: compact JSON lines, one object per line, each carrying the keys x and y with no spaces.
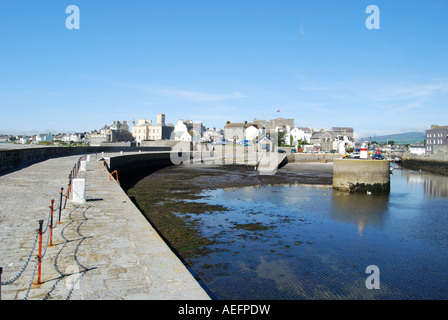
{"x":17,"y":158}
{"x":435,"y":163}
{"x":355,"y":175}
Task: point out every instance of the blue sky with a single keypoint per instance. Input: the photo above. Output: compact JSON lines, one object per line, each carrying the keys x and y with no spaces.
{"x":213,"y":61}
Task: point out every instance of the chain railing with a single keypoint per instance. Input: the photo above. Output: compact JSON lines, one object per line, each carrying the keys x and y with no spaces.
{"x":50,"y":225}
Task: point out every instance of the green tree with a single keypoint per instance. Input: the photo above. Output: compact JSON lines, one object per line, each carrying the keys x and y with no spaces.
{"x":281,"y":138}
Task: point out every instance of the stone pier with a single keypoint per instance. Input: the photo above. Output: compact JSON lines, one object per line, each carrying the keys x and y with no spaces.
{"x":104,"y":248}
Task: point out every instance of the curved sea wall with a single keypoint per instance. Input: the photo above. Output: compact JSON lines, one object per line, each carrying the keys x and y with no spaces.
{"x":138,"y":164}
{"x":17,"y":158}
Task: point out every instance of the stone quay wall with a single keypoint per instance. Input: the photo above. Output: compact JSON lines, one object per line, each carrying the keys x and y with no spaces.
{"x":355,"y":175}
{"x":435,"y":163}
{"x":17,"y":158}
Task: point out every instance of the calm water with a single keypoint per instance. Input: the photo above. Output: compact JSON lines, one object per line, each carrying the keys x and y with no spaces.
{"x":309,"y":242}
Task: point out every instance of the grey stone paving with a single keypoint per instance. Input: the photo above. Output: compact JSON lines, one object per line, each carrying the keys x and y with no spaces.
{"x":103,"y":249}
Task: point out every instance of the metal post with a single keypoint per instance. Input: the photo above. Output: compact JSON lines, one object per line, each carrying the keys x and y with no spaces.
{"x":1,"y":271}
{"x":51,"y":223}
{"x":39,"y":257}
{"x":67,"y":196}
{"x":60,"y":205}
{"x":69,"y":184}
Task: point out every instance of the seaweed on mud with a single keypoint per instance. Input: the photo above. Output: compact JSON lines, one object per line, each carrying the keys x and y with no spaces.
{"x":170,"y":199}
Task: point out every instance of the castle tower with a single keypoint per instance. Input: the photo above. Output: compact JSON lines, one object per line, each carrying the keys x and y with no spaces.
{"x":161,"y":118}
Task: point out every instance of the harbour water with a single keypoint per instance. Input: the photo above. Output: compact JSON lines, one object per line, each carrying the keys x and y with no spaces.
{"x":297,"y":242}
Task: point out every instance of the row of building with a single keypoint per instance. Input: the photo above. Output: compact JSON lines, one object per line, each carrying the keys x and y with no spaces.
{"x":337,"y":139}
{"x":143,"y":130}
{"x":147,"y":130}
{"x":46,"y":137}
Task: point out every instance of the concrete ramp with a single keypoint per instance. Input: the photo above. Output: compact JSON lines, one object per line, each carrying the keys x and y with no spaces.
{"x":269,"y":162}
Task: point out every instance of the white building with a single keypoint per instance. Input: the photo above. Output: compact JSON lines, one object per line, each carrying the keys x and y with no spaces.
{"x":253,"y":132}
{"x":181,"y":131}
{"x":25,"y":139}
{"x":181,"y":126}
{"x":417,"y":149}
{"x":146,"y":130}
{"x":75,"y":137}
{"x":192,"y":128}
{"x":44,"y":138}
{"x":182,"y":136}
{"x":236,"y":132}
{"x":265,"y":144}
{"x":212,"y":135}
{"x":301,"y":134}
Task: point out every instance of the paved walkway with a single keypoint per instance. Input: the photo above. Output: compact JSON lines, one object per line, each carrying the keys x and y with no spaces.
{"x":103,"y":249}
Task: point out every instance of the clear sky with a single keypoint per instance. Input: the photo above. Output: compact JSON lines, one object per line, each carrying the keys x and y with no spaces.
{"x":219,"y":60}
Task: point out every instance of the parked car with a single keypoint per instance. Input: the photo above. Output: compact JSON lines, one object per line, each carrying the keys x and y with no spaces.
{"x":354,"y":155}
{"x":377,"y":156}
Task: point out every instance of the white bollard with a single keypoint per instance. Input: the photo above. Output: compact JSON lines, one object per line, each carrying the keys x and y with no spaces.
{"x":83,"y":166}
{"x":79,"y":191}
{"x":364,"y":151}
{"x":88,"y":157}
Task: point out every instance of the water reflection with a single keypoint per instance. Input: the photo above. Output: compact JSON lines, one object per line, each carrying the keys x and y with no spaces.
{"x":434,"y":186}
{"x":317,"y":242}
{"x":360,"y":209}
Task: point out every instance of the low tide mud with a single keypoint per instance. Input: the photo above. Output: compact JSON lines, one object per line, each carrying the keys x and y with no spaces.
{"x":164,"y":197}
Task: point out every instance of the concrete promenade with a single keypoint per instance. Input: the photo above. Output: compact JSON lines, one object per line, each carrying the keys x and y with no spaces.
{"x":103,"y":248}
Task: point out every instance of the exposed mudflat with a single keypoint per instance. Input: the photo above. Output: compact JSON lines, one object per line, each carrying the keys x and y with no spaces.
{"x":162,"y":195}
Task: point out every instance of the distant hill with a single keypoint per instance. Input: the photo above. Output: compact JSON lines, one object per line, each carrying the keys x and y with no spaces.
{"x":399,"y":138}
